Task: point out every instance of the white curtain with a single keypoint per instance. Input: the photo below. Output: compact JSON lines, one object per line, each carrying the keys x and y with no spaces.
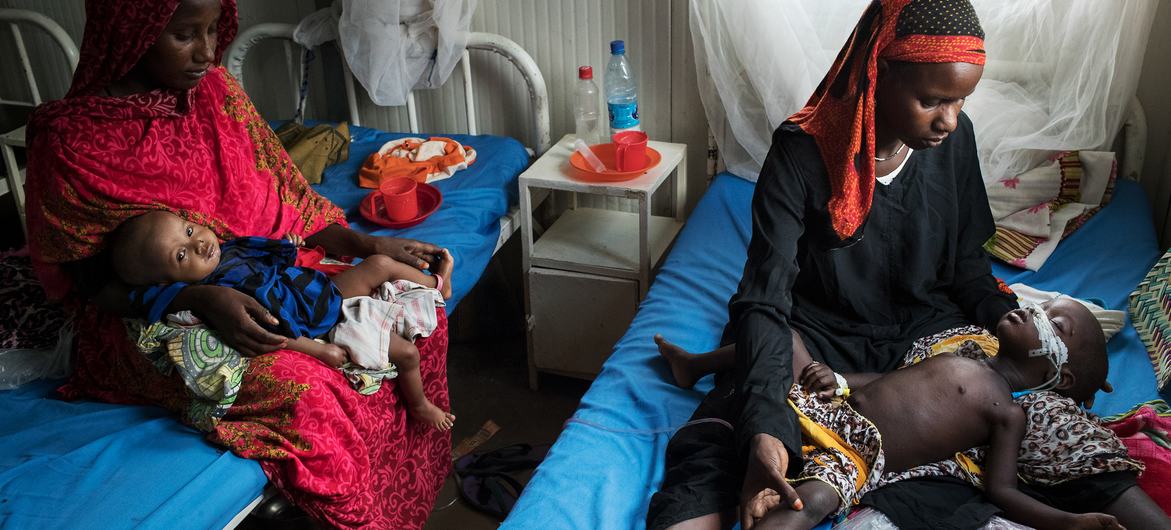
{"x":1059,"y":77}
{"x":393,"y":46}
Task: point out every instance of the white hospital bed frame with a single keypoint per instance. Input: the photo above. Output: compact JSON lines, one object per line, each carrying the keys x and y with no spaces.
{"x":16,"y":137}
{"x":538,"y":94}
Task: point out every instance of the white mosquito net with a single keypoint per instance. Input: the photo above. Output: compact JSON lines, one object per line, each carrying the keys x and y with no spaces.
{"x":1059,"y":77}
{"x":393,"y":46}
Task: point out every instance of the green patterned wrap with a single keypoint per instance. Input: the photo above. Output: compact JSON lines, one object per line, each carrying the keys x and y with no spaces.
{"x":213,"y":371}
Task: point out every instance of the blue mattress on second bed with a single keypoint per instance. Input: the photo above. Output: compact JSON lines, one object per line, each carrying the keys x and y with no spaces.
{"x":96,"y":465}
{"x":609,"y":458}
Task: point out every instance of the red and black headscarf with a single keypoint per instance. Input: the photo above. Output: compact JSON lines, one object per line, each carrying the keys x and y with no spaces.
{"x":118,"y":34}
{"x":840,"y":114}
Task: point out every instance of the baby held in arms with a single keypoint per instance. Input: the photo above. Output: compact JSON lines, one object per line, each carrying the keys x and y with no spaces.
{"x":370,"y":315}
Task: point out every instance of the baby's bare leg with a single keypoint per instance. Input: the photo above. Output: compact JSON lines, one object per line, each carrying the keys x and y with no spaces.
{"x":820,"y":500}
{"x":687,"y":368}
{"x":365,"y":277}
{"x":405,"y":357}
{"x":330,"y":354}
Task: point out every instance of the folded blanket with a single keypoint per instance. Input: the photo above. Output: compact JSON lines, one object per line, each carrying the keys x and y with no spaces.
{"x":1146,"y":432}
{"x":1150,"y":310}
{"x":416,"y":158}
{"x":1035,"y":210}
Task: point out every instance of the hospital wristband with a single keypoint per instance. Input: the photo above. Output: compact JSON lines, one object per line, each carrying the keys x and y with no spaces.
{"x":438,"y":281}
{"x":843,"y":388}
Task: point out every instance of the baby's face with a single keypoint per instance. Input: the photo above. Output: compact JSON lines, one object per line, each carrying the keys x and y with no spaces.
{"x":180,"y":250}
{"x":1018,"y":334}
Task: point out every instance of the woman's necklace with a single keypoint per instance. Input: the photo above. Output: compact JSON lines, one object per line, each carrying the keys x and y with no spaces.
{"x":892,"y":155}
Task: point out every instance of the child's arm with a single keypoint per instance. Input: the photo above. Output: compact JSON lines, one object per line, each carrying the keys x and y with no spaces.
{"x":817,"y":378}
{"x":1007,"y":427}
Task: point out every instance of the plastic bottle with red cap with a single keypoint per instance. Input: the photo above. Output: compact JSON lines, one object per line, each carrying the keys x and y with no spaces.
{"x":587,"y":107}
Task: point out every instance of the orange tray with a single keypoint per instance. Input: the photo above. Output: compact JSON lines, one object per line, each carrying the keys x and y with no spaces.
{"x":605,"y":152}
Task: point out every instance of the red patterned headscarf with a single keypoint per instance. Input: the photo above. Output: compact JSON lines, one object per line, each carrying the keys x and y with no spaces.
{"x":118,"y":34}
{"x":840,"y":114}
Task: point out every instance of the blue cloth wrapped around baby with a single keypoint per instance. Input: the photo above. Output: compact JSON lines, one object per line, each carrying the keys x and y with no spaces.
{"x":304,"y":300}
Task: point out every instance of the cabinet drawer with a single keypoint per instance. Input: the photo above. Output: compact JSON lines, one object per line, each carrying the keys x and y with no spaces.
{"x":576,"y":319}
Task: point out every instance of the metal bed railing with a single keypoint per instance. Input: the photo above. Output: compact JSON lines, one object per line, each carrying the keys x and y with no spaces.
{"x":16,"y":138}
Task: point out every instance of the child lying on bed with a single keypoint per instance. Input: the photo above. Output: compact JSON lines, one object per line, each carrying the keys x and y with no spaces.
{"x":162,"y":252}
{"x":930,"y":411}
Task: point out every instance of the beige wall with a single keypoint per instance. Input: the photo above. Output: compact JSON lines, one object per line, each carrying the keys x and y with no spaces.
{"x":1154,"y":91}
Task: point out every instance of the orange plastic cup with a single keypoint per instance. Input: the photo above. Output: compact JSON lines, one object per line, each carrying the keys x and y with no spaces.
{"x":630,"y":150}
{"x":400,"y":197}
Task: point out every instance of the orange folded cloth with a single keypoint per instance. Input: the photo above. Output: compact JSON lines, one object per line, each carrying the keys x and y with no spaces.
{"x":422,"y":160}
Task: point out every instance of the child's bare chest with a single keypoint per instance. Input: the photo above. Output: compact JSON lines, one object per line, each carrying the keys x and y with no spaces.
{"x":930,"y":411}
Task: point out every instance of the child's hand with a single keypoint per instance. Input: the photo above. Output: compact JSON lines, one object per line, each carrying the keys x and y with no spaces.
{"x":295,"y":239}
{"x":819,"y":379}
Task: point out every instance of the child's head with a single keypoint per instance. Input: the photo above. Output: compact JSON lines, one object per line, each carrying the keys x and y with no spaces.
{"x":1076,"y":327}
{"x":161,"y":247}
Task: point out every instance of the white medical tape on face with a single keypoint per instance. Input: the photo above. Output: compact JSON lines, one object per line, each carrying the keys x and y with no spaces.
{"x":1052,"y":347}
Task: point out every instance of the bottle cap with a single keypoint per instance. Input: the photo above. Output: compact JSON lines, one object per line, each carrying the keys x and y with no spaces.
{"x":585,"y":72}
{"x":617,"y":47}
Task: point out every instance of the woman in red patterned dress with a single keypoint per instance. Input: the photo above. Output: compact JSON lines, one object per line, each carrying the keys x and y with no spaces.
{"x":153,"y":122}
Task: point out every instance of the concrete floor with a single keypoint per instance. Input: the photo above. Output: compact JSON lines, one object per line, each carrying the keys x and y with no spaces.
{"x":489,"y":381}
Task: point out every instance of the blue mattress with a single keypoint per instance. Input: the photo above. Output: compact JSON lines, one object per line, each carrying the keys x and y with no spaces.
{"x":95,"y":465}
{"x":608,"y":460}
{"x":474,"y":200}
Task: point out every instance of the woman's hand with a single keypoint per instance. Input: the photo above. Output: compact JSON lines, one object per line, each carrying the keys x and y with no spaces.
{"x":414,"y":253}
{"x":765,"y":486}
{"x":341,"y":241}
{"x":234,"y":316}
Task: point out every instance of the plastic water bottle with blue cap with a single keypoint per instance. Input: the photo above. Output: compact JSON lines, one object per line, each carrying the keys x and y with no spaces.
{"x":621,"y":91}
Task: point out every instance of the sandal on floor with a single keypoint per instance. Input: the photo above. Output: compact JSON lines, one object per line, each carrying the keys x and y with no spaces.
{"x":507,"y":459}
{"x":492,"y":493}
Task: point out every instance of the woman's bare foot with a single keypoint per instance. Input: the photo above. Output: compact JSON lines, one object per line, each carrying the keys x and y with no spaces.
{"x":446,"y":266}
{"x":680,"y":362}
{"x":427,"y":412}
